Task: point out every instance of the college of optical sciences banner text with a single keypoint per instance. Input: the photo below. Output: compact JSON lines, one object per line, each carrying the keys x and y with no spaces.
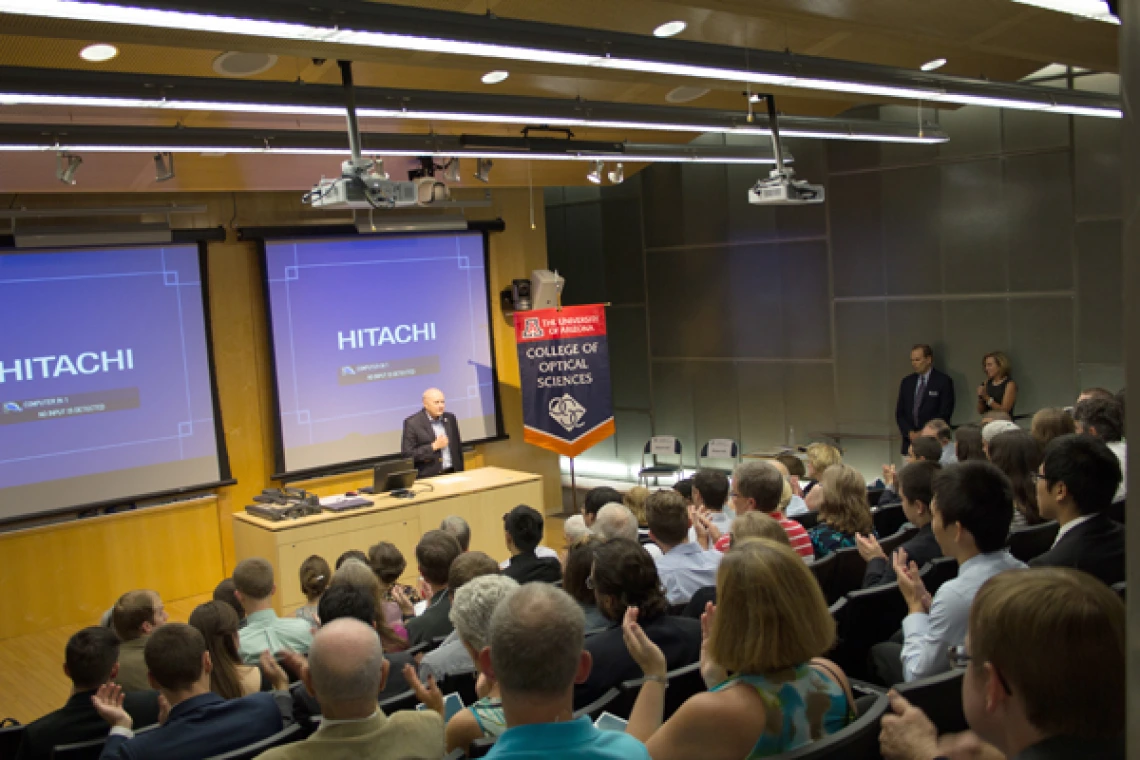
{"x":564,"y":366}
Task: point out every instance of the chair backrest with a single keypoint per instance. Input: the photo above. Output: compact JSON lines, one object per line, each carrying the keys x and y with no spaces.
{"x":287,"y":735}
{"x":888,"y":519}
{"x":873,"y":496}
{"x":871,"y":615}
{"x":600,"y":705}
{"x":462,"y":684}
{"x":404,"y":701}
{"x":824,"y":571}
{"x":938,"y":571}
{"x":858,"y":741}
{"x":684,"y":682}
{"x":10,"y":738}
{"x":848,"y":575}
{"x":940,"y":697}
{"x":1117,"y":512}
{"x":808,"y":519}
{"x":661,"y":446}
{"x":1027,"y":543}
{"x":480,"y":747}
{"x":719,"y":449}
{"x":88,"y":750}
{"x":890,"y":543}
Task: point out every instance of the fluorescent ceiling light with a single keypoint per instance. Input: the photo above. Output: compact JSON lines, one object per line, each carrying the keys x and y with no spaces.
{"x":98,"y":53}
{"x":1097,"y":10}
{"x":866,"y":133}
{"x":670,"y":29}
{"x":945,"y":90}
{"x":494,"y":77}
{"x":937,"y":63}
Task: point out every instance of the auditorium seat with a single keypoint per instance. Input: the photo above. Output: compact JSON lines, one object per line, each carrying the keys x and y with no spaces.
{"x":888,"y":519}
{"x":287,"y":735}
{"x":1027,"y":543}
{"x":940,"y":697}
{"x":462,"y":684}
{"x":847,"y":576}
{"x":659,"y":469}
{"x":938,"y":571}
{"x":824,"y":571}
{"x":601,"y":704}
{"x":873,"y":496}
{"x":733,"y":456}
{"x":901,"y":536}
{"x":88,"y":750}
{"x":456,"y":754}
{"x":684,"y":682}
{"x":404,"y":701}
{"x":859,"y":741}
{"x":10,"y":738}
{"x":808,"y":519}
{"x":480,"y":747}
{"x":868,"y":617}
{"x":1117,"y":512}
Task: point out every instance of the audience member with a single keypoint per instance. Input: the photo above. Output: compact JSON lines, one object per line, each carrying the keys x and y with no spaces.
{"x":636,"y":498}
{"x":90,"y":660}
{"x":1049,"y":423}
{"x":843,"y":510}
{"x":351,"y":554}
{"x":344,"y":601}
{"x":995,"y":415}
{"x":992,"y":429}
{"x":940,"y":430}
{"x":254,"y":587}
{"x":999,"y":391}
{"x":345,"y":671}
{"x":794,"y":465}
{"x":757,"y":525}
{"x":597,"y":498}
{"x":685,"y":488}
{"x":229,"y":678}
{"x":224,"y":592}
{"x":135,"y":617}
{"x":968,"y":443}
{"x":795,"y":505}
{"x":1096,"y":393}
{"x":1078,"y":479}
{"x":757,"y":486}
{"x":199,"y":723}
{"x":388,"y":564}
{"x":450,"y":657}
{"x":576,"y":576}
{"x":458,"y":527}
{"x":921,"y":449}
{"x":536,"y":657}
{"x":971,"y":509}
{"x":1104,"y":418}
{"x":683,"y":565}
{"x":916,"y":487}
{"x":315,"y":577}
{"x":820,"y":456}
{"x":924,"y":395}
{"x":435,"y":552}
{"x":523,"y":526}
{"x":625,"y":576}
{"x":710,"y":496}
{"x":573,"y":528}
{"x":358,"y":575}
{"x":769,"y":631}
{"x":1037,"y":639}
{"x":471,"y":613}
{"x":1018,"y":455}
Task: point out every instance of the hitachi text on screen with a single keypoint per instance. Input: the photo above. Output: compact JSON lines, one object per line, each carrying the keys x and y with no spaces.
{"x":47,"y":367}
{"x":377,"y":336}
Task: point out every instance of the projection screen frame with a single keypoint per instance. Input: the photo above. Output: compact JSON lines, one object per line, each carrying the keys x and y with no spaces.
{"x":199,"y":238}
{"x":262,"y":235}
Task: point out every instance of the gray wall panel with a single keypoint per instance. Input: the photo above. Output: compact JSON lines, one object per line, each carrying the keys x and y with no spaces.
{"x":673,"y":410}
{"x":911,"y":199}
{"x":1029,"y":130}
{"x":687,"y":293}
{"x":806,"y":316}
{"x":1039,"y":203}
{"x":972,"y":227}
{"x":752,"y":316}
{"x":861,"y":361}
{"x":1100,"y":302}
{"x":760,"y":394}
{"x":704,"y":198}
{"x":1043,"y":355}
{"x":716,"y":406}
{"x":909,"y":323}
{"x":972,"y":329}
{"x":664,"y":219}
{"x":629,"y":358}
{"x":623,"y":250}
{"x":810,"y":393}
{"x":632,"y":430}
{"x":855,"y":204}
{"x":973,"y":132}
{"x":582,"y":260}
{"x":1097,"y":145}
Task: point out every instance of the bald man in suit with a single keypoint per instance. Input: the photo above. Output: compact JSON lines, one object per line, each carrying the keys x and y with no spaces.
{"x":431,"y":438}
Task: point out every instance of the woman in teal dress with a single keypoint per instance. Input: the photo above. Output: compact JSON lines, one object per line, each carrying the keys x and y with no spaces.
{"x":768,"y":630}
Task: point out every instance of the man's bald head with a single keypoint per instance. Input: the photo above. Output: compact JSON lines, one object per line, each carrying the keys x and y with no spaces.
{"x":346,"y":664}
{"x":434,"y":401}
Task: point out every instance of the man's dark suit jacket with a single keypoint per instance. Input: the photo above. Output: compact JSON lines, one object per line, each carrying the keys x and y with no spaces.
{"x":202,"y":726}
{"x":920,"y":549}
{"x":938,"y":403}
{"x":418,"y":438}
{"x":1095,"y":546}
{"x":678,"y":637}
{"x":434,"y":623}
{"x":528,"y":567}
{"x":77,"y":722}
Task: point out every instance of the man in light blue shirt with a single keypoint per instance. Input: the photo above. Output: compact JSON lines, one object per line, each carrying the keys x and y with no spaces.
{"x":684,"y":567}
{"x":254,"y":588}
{"x":710,"y":493}
{"x":941,"y":431}
{"x":972,"y":509}
{"x":536,"y":656}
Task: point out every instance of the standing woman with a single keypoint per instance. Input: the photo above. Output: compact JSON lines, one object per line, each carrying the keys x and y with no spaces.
{"x":999,"y":392}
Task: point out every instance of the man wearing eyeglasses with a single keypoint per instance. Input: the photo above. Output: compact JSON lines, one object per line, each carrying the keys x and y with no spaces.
{"x":1044,"y":675}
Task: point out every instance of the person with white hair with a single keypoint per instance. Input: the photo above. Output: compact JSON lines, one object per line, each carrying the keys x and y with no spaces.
{"x":346,"y":671}
{"x":471,"y":613}
{"x":616,"y":520}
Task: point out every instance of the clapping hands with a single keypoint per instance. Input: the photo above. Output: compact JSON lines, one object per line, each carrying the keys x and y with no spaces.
{"x":108,"y":702}
{"x":910,"y":584}
{"x":644,"y":652}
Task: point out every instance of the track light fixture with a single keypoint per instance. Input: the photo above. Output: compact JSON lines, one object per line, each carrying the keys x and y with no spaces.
{"x":451,"y":170}
{"x":483,"y":169}
{"x":617,"y":176}
{"x":595,"y":174}
{"x":163,"y":167}
{"x":66,"y":165}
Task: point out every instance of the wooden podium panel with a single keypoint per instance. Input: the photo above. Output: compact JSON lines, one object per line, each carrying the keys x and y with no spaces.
{"x":479,"y":496}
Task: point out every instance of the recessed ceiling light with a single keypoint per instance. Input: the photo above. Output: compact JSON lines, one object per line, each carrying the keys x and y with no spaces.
{"x":98,"y":53}
{"x":494,"y":77}
{"x":670,"y":29}
{"x":238,"y":64}
{"x":937,"y":63}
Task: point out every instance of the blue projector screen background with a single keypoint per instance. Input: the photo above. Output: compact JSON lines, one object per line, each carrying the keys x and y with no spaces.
{"x":361,"y":327}
{"x":105,"y":379}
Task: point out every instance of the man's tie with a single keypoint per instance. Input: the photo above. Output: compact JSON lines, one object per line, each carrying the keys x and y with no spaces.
{"x":918,"y":397}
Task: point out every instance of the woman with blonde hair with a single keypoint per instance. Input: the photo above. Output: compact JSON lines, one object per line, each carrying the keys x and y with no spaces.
{"x":999,"y":391}
{"x":843,"y":510}
{"x":1049,"y":423}
{"x":635,"y":500}
{"x":758,"y":525}
{"x":769,"y":630}
{"x":218,"y":624}
{"x":358,"y":575}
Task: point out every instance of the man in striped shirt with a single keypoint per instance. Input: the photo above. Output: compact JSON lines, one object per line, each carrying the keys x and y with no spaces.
{"x":757,"y":486}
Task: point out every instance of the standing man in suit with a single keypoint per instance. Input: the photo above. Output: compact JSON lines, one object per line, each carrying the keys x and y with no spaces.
{"x":925,"y":395}
{"x":431,"y":438}
{"x":1077,"y":481}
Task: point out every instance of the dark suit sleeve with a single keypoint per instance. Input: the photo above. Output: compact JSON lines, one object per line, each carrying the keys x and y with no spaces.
{"x":419,"y":453}
{"x":455,"y":442}
{"x":115,"y":748}
{"x":879,"y":571}
{"x":946,"y":400}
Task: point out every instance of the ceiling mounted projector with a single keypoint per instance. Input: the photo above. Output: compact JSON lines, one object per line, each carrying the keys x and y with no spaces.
{"x":780,"y":189}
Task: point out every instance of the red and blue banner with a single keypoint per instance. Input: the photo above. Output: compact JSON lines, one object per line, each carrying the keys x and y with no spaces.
{"x":564,"y":366}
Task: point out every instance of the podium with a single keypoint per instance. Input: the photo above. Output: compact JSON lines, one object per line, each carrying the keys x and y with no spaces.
{"x":481,"y":497}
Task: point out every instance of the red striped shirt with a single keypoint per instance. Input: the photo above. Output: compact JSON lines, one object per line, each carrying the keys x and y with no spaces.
{"x":797,"y":537}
